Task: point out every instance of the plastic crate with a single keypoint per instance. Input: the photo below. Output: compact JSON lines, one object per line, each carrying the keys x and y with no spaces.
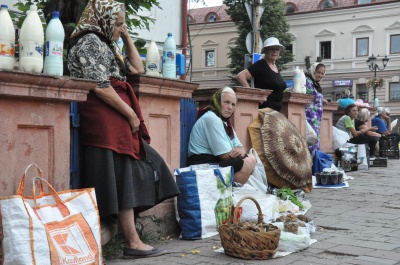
{"x":389,"y":142}
{"x":389,"y":153}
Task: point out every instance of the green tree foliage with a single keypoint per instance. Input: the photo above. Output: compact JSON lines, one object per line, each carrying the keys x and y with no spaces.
{"x":273,"y":24}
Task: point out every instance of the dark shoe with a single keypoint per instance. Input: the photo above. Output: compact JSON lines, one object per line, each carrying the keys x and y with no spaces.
{"x":140,"y":254}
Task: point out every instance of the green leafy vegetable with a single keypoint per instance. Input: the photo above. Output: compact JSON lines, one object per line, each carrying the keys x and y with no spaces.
{"x":284,"y":193}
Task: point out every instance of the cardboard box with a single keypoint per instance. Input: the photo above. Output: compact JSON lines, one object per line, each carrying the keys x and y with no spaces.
{"x":378,"y":162}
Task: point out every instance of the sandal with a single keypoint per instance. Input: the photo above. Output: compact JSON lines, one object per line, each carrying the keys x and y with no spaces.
{"x":139,"y":254}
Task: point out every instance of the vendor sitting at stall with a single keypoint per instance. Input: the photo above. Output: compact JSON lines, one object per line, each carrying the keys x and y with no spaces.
{"x":346,"y":124}
{"x":213,"y":139}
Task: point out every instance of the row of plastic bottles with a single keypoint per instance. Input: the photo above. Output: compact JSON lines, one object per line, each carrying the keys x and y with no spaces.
{"x":168,"y":58}
{"x":31,"y":42}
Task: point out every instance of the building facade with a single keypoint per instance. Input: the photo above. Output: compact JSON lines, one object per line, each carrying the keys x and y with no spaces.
{"x":342,"y":34}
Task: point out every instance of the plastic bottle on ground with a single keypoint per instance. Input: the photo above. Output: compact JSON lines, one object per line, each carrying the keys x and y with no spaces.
{"x":31,"y":42}
{"x":7,"y":39}
{"x":169,"y":53}
{"x":152,"y":60}
{"x":53,"y":61}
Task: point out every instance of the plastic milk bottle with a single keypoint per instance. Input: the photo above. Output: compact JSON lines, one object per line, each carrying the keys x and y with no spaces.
{"x":297,"y":80}
{"x":152,"y":60}
{"x":7,"y":39}
{"x":169,"y":53}
{"x":303,"y":81}
{"x":53,"y":62}
{"x":31,"y":42}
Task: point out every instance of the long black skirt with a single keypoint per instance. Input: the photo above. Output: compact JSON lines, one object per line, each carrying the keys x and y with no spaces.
{"x":122,"y":182}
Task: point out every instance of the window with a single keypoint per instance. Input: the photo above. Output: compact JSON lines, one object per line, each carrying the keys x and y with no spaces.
{"x":395,"y":43}
{"x":289,"y":48}
{"x":360,"y":2}
{"x":362,"y":47}
{"x":362,"y":92}
{"x":325,"y":50}
{"x":290,"y":8}
{"x":212,"y":17}
{"x":210,"y":58}
{"x":327,"y":4}
{"x":394,"y":91}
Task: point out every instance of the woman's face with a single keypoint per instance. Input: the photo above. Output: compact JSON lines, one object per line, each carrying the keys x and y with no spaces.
{"x":228,"y":104}
{"x":353,"y":112}
{"x":272,"y":53}
{"x":319,"y":73}
{"x":119,"y":26}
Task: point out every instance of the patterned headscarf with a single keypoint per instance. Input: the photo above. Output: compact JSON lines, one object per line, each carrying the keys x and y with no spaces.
{"x":215,"y":106}
{"x":99,"y":17}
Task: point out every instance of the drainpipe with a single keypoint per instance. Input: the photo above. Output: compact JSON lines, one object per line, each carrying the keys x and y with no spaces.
{"x":184,"y":33}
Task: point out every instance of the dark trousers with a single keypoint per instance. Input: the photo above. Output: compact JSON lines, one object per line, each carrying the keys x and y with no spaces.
{"x":365,"y":139}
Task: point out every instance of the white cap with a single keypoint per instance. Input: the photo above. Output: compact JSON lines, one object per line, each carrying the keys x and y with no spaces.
{"x":272,"y":41}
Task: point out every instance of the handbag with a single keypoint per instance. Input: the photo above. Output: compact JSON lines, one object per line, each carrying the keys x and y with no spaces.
{"x":321,"y":161}
{"x":52,"y":228}
{"x":205,"y":201}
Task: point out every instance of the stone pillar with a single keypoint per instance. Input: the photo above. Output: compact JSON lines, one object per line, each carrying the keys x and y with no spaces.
{"x":294,"y":109}
{"x":35,"y":127}
{"x":326,"y":127}
{"x":246,"y":108}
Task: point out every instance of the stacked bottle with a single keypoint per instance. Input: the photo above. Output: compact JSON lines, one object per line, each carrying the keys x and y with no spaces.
{"x":169,"y":53}
{"x":53,"y":62}
{"x":31,"y":42}
{"x":7,"y":39}
{"x":152,"y":60}
{"x":297,"y":80}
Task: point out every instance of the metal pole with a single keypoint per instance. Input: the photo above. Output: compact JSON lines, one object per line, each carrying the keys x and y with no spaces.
{"x":256,"y":26}
{"x":374,"y":84}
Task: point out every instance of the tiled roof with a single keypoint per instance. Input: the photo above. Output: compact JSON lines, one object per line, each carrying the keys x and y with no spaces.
{"x":199,"y":14}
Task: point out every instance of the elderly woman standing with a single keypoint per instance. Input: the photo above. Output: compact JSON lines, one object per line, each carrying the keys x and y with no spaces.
{"x":266,"y":74}
{"x":128,"y":175}
{"x":314,"y":110}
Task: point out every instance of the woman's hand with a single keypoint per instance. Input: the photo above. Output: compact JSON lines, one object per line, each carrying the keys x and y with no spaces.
{"x":237,"y":152}
{"x":373,"y":128}
{"x":134,"y":122}
{"x":125,"y":34}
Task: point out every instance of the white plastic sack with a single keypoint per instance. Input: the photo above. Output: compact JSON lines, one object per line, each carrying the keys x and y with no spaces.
{"x":205,"y":201}
{"x":258,"y":179}
{"x":290,"y":242}
{"x":394,"y":123}
{"x":269,"y":204}
{"x":339,"y":138}
{"x":311,"y":135}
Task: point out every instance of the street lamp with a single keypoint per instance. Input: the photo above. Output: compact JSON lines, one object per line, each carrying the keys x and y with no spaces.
{"x":371,"y":62}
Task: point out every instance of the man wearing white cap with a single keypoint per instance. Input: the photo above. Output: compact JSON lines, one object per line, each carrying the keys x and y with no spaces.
{"x":266,"y":74}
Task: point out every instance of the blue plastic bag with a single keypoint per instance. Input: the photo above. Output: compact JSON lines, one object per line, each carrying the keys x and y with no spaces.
{"x":321,"y":161}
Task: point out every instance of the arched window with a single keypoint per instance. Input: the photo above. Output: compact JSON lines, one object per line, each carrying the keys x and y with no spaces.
{"x":290,"y":8}
{"x":327,"y":4}
{"x":212,"y":17}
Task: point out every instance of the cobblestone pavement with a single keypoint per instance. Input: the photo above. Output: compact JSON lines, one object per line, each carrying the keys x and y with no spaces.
{"x":355,"y":225}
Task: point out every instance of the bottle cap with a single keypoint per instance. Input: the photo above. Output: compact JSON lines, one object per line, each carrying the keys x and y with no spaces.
{"x":56,"y":14}
{"x":33,"y":8}
{"x":169,"y":34}
{"x":4,"y":6}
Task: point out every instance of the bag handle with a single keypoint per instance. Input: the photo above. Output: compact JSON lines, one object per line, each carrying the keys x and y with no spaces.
{"x":21,"y":186}
{"x":235,"y":213}
{"x":218,"y":173}
{"x":59,"y":203}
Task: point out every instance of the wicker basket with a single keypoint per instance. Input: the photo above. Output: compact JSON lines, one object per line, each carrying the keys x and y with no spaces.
{"x":239,"y":241}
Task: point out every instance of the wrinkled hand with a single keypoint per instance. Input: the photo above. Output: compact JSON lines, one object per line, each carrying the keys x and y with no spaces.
{"x":134,"y":122}
{"x":236,"y":152}
{"x":124,"y":33}
{"x":373,"y":128}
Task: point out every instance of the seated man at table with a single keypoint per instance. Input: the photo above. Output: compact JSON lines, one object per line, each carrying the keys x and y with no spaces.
{"x":213,"y":139}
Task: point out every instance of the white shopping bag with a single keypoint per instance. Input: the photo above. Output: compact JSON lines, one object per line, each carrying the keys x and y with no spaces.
{"x":258,"y":179}
{"x":50,"y":229}
{"x":205,"y":201}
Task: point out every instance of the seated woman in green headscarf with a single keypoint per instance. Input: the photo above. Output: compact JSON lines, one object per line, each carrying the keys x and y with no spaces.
{"x":213,"y":139}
